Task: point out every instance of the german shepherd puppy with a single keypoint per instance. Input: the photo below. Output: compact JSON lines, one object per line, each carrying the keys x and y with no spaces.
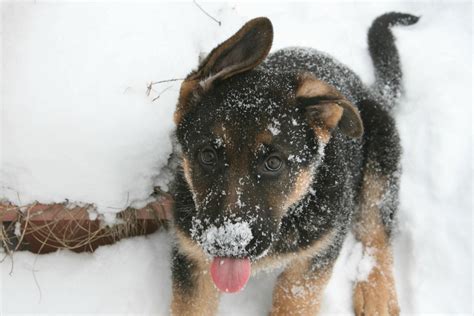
{"x":280,"y":157}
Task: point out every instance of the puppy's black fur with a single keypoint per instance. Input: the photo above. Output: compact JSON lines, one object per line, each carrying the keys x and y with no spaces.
{"x":295,"y":149}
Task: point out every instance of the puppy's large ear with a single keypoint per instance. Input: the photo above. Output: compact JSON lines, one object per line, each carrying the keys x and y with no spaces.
{"x":327,"y":109}
{"x":243,"y":51}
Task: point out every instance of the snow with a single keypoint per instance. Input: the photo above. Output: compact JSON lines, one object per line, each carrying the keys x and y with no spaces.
{"x":231,"y":237}
{"x":274,"y":128}
{"x":77,"y":124}
{"x":114,"y":279}
{"x":366,"y":262}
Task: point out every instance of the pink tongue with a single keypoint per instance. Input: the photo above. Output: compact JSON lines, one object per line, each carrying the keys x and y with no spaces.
{"x":230,"y":275}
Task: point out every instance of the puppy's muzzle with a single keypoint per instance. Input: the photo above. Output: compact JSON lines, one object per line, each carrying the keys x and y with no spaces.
{"x":227,"y":240}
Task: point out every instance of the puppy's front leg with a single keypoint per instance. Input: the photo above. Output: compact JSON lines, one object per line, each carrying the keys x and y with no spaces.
{"x":299,"y":288}
{"x":193,"y":290}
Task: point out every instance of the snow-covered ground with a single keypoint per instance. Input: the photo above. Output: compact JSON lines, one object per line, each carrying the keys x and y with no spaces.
{"x":76,"y":123}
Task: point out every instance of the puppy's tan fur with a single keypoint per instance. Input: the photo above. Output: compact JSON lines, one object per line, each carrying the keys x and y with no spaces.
{"x":377,"y":295}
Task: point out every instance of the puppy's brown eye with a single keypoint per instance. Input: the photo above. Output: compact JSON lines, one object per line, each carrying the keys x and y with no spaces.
{"x":208,"y":156}
{"x":273,"y":163}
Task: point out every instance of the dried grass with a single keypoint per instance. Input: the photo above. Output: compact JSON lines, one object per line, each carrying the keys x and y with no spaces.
{"x":46,"y":228}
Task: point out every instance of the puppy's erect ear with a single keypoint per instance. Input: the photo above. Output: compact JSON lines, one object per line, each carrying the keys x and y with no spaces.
{"x":243,"y":51}
{"x":327,"y":109}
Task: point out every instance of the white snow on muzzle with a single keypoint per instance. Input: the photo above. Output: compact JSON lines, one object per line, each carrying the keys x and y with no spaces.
{"x":228,"y":240}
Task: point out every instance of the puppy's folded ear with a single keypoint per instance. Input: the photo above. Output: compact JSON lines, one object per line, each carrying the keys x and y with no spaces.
{"x":327,"y":109}
{"x":243,"y":51}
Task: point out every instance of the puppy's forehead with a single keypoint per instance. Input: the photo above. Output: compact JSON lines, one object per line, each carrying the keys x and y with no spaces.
{"x":233,"y":136}
{"x":249,"y":118}
{"x":257,"y":92}
{"x":251,"y":101}
{"x":253,"y":108}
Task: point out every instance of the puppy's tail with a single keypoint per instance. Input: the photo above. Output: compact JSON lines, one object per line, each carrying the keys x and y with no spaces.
{"x":384,"y":53}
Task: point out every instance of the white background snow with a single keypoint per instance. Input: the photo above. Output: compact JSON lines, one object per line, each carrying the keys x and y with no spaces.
{"x":76,"y":123}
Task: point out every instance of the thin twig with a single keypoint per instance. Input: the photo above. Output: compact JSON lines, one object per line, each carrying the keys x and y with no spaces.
{"x":204,"y":11}
{"x":33,"y":271}
{"x":12,"y":265}
{"x":159,"y":95}
{"x":4,"y":257}
{"x":27,"y":220}
{"x":149,"y":87}
{"x":18,"y":196}
{"x":167,"y":80}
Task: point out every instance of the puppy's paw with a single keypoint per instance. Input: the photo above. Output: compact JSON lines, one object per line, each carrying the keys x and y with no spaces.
{"x":377,"y":295}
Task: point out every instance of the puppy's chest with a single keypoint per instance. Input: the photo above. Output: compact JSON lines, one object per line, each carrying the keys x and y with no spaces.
{"x":304,"y":223}
{"x":327,"y":207}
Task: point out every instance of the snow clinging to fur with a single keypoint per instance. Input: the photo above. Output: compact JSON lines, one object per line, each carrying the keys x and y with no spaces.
{"x":229,"y":239}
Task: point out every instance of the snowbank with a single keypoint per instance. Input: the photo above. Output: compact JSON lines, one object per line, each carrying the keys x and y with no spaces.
{"x":77,"y":124}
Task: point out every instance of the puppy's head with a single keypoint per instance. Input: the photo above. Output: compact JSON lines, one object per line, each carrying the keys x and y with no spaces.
{"x":251,"y":141}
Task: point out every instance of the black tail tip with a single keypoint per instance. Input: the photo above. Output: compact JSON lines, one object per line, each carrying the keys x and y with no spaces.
{"x":397,"y":18}
{"x":409,"y":19}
